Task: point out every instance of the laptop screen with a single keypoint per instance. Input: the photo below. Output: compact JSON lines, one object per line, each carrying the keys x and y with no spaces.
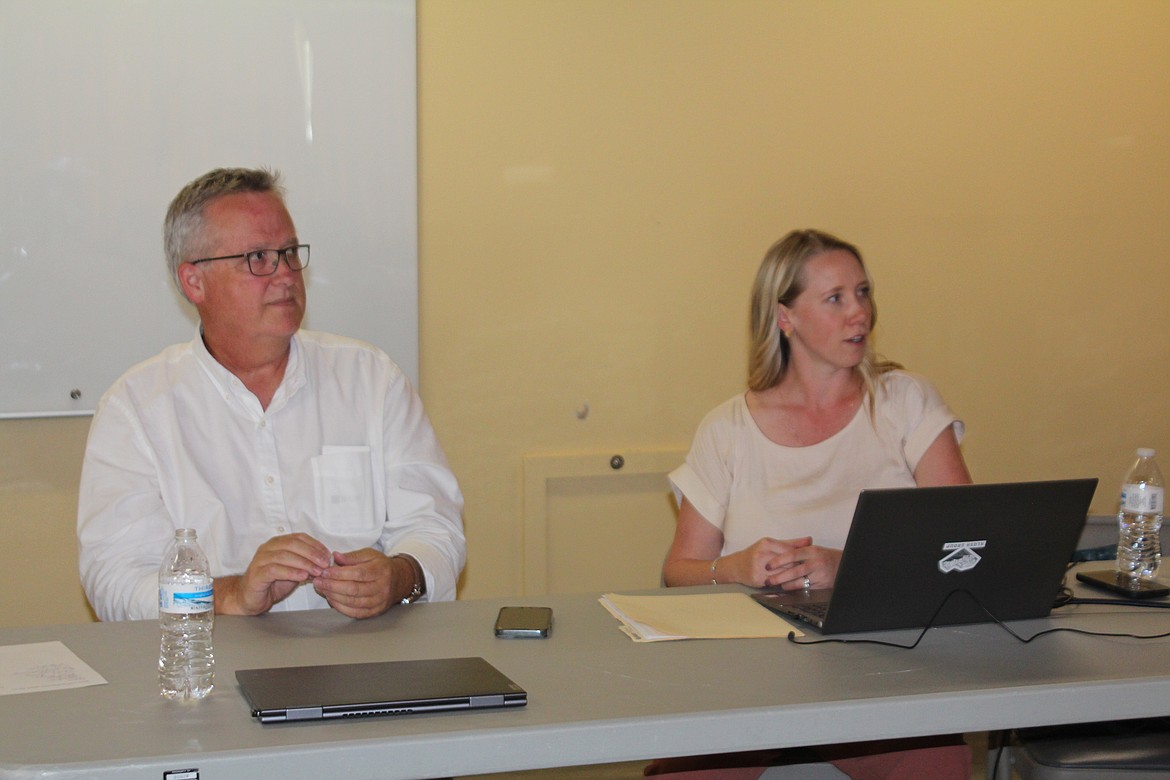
{"x":956,"y":554}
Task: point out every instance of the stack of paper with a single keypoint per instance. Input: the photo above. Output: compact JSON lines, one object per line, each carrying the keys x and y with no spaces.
{"x":694,"y":616}
{"x":44,"y":666}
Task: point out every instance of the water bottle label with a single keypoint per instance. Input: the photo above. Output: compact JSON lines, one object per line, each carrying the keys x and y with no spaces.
{"x":1141,"y":499}
{"x":186,"y":599}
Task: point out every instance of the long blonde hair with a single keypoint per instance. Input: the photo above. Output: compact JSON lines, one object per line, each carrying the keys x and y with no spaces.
{"x":780,"y":279}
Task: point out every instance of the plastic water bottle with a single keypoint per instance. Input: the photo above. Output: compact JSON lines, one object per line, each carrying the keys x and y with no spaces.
{"x":186,"y":613}
{"x":1140,"y":518}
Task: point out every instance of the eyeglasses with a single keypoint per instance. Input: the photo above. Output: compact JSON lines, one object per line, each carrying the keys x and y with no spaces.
{"x":264,"y":262}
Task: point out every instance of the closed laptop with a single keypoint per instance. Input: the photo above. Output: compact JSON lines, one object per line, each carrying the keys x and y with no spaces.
{"x":292,"y":693}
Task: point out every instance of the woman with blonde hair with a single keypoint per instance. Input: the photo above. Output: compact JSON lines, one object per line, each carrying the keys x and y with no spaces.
{"x":768,"y":489}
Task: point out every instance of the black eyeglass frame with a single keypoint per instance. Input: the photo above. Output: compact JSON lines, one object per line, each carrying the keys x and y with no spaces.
{"x":281,"y":254}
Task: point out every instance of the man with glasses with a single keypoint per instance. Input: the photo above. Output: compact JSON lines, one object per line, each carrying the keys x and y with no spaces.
{"x":304,"y":461}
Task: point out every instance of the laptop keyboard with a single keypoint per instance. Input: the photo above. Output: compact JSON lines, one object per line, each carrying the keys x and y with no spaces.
{"x":809,"y":611}
{"x":818,"y":608}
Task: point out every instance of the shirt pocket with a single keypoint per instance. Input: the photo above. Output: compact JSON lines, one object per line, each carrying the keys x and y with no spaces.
{"x":344,"y":489}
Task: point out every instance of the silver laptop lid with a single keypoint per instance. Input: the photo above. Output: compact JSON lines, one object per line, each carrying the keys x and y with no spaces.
{"x":380,"y":688}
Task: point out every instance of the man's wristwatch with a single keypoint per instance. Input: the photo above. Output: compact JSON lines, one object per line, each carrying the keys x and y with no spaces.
{"x":420,"y":583}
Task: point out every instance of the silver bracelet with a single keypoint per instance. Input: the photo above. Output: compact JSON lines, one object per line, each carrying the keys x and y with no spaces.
{"x":713,"y":564}
{"x":420,"y":583}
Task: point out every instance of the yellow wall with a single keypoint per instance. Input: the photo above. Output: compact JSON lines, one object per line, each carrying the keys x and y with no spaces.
{"x":40,"y":463}
{"x":599,"y":178}
{"x":599,"y":181}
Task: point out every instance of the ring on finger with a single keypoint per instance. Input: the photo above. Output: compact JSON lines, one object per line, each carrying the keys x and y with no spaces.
{"x":807,"y":582}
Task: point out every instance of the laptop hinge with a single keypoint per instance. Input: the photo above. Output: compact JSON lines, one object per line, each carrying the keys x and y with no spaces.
{"x":496,"y":700}
{"x":303,"y":713}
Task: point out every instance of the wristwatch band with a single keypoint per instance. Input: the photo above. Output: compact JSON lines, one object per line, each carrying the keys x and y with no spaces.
{"x":420,"y":583}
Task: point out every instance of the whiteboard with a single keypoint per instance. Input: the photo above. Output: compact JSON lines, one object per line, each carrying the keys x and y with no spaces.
{"x":109,"y":107}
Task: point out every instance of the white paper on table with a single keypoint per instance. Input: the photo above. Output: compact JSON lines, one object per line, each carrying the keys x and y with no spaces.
{"x":43,"y":666}
{"x":695,"y":616}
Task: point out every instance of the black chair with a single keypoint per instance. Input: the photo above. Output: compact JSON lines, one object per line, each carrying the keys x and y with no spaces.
{"x":1126,"y":749}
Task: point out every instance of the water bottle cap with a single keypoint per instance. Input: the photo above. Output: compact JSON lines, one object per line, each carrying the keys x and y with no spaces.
{"x":1145,"y":452}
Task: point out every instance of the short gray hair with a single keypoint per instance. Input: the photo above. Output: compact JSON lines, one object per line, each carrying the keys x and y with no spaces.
{"x":183,"y":226}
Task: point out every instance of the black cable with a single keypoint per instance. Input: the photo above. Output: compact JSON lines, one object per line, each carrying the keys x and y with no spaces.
{"x":1065,"y":597}
{"x":929,"y":624}
{"x":992,"y":619}
{"x":1117,"y":602}
{"x":1001,"y":740}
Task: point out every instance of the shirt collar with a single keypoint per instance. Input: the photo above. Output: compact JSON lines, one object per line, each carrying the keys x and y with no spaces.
{"x":230,"y":386}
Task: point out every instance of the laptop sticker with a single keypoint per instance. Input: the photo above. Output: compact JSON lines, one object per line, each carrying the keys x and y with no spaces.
{"x":962,"y":556}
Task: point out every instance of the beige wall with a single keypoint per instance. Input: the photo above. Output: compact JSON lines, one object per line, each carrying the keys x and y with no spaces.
{"x":599,"y":179}
{"x":40,"y":462}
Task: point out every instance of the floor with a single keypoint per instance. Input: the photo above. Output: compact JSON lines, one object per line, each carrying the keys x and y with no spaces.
{"x":633,"y":770}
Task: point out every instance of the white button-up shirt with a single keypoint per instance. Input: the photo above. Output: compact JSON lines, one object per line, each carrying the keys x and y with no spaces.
{"x":344,"y":453}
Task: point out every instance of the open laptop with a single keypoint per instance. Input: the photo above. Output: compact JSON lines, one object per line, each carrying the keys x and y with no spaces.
{"x":353,"y":690}
{"x":980,"y":552}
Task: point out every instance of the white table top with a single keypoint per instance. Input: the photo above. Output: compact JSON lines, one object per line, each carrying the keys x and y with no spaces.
{"x":594,"y":695}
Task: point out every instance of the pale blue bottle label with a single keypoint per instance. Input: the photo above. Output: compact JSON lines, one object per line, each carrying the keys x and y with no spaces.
{"x":186,"y":598}
{"x":1141,"y":499}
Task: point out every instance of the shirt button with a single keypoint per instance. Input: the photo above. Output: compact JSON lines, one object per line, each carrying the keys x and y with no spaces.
{"x":269,"y":479}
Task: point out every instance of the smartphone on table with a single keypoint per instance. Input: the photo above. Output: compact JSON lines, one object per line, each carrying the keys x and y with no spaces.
{"x":523,"y":622}
{"x":1115,"y":581}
